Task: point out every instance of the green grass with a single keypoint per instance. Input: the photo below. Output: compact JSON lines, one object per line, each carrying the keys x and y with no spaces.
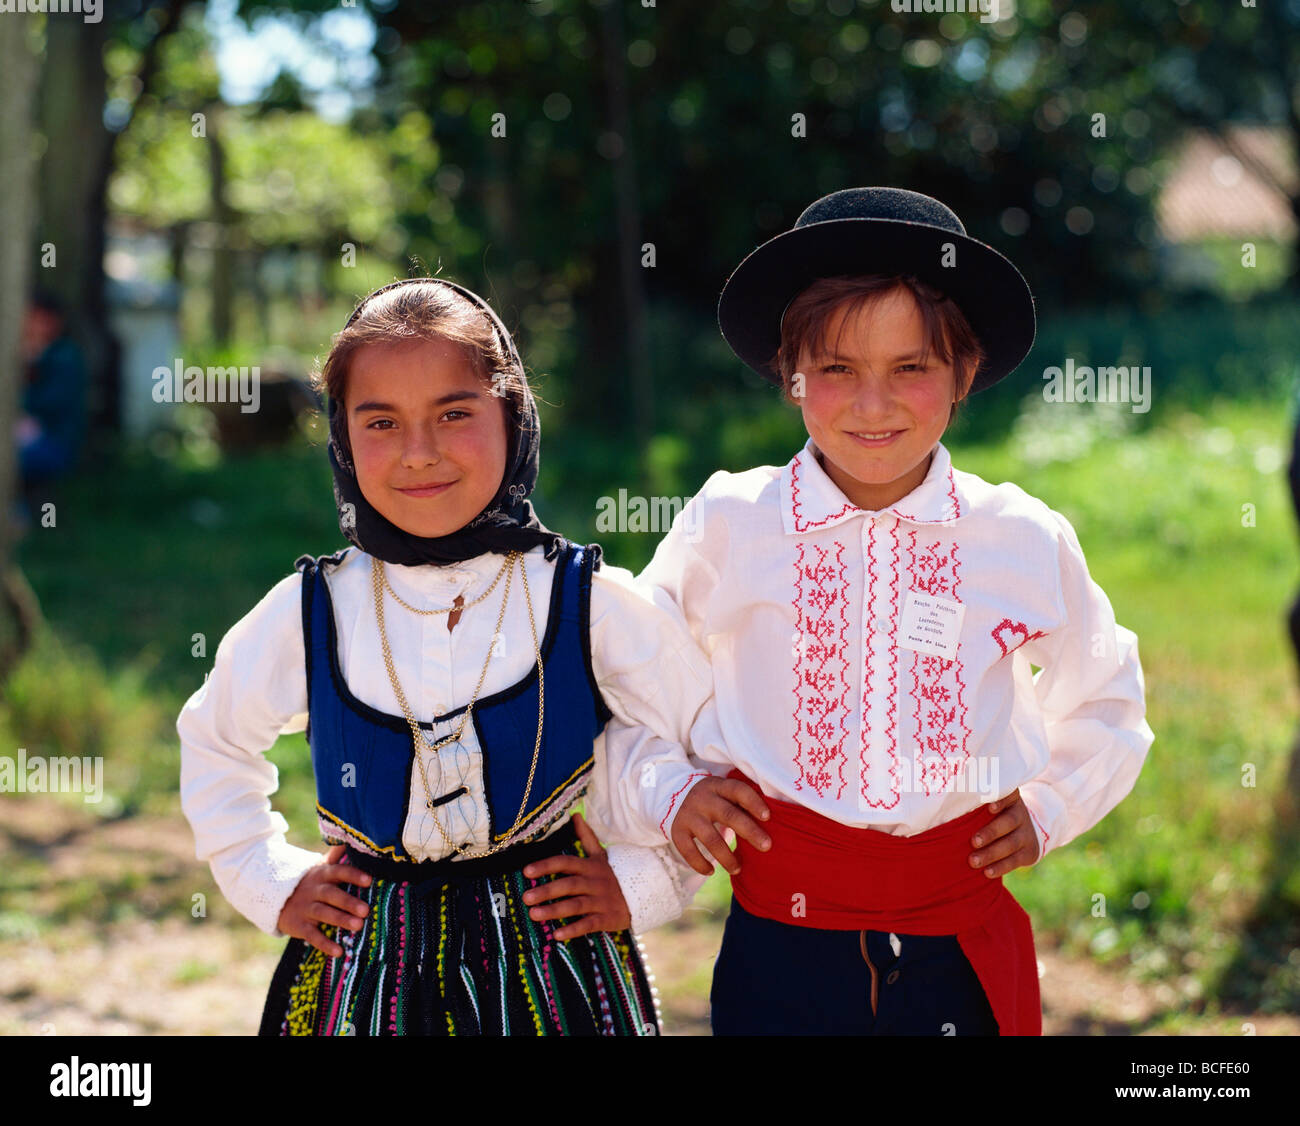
{"x":151,"y":553}
{"x":1182,"y":860}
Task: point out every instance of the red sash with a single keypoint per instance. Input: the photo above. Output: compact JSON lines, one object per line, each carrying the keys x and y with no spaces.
{"x":863,"y":879}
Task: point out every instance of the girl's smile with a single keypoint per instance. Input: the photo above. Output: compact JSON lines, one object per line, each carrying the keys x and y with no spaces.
{"x":428,"y":436}
{"x":873,"y":411}
{"x":427,"y":490}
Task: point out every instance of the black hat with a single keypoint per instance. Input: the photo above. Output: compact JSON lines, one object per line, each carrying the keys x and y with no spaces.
{"x":878,"y":231}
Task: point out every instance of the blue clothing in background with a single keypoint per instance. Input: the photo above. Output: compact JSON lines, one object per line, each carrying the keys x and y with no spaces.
{"x":55,"y":396}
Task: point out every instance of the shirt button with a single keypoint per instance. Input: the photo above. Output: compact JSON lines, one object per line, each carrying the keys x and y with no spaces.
{"x":893,"y":977}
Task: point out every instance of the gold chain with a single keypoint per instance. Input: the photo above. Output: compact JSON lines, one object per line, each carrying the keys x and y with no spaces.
{"x":379,"y":582}
{"x":415,"y":610}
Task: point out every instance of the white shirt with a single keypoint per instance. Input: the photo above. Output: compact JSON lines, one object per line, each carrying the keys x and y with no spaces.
{"x":257,"y":690}
{"x":805,"y":604}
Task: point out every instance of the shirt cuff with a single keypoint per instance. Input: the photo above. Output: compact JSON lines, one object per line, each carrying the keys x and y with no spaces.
{"x":261,"y":881}
{"x":673,"y":794}
{"x":1044,"y":808}
{"x":655,"y":890}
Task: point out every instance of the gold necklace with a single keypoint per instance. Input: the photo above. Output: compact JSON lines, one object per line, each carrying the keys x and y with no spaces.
{"x":508,"y":570}
{"x":415,"y":610}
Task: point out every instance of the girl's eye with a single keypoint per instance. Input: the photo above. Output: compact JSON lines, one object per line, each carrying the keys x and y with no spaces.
{"x":914,"y":367}
{"x":835,"y":367}
{"x":451,"y":415}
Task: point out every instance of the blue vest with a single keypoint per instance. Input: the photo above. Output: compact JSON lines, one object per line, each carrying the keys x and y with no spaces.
{"x":369,"y":802}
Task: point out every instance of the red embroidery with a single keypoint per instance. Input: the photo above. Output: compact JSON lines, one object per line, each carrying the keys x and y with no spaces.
{"x":891,"y":727}
{"x":951,"y":512}
{"x":941,"y":732}
{"x":933,"y":577}
{"x":800,"y":524}
{"x":821,"y":665}
{"x":1008,"y":629}
{"x":961,"y":684}
{"x":673,"y":802}
{"x":1046,"y":836}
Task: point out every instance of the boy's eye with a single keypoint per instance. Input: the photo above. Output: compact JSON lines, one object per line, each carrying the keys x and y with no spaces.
{"x":457,"y":411}
{"x":372,"y":425}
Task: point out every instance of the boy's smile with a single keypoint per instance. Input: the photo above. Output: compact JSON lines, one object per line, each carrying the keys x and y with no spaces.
{"x":428,"y":436}
{"x":872,"y":411}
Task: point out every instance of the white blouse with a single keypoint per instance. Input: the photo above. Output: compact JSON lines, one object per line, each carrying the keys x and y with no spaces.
{"x":257,"y":690}
{"x":874,"y":666}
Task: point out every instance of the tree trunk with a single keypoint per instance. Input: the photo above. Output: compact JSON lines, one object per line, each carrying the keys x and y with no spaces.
{"x":1278,"y":42}
{"x":251,"y":264}
{"x":223,"y":254}
{"x":72,"y":206}
{"x":177,"y":238}
{"x":496,"y":286}
{"x":17,"y":207}
{"x":628,"y":209}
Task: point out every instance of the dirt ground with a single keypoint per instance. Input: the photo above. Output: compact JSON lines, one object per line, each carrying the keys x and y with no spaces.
{"x":152,"y":968}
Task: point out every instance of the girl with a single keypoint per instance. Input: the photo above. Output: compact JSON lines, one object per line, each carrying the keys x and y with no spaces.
{"x":871,"y":613}
{"x":454,"y":717}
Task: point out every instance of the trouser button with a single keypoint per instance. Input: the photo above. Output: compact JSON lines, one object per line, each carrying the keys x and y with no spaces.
{"x":893,"y":977}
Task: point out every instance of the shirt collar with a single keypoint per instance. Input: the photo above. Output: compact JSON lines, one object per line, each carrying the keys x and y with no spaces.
{"x":424,"y":579}
{"x":810,"y":500}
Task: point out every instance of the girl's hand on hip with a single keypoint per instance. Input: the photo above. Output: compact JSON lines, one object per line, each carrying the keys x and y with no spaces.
{"x":1008,"y":841}
{"x":589,"y":893}
{"x":317,"y":899}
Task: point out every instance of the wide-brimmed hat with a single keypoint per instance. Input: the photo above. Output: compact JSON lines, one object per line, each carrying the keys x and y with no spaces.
{"x":879,"y":231}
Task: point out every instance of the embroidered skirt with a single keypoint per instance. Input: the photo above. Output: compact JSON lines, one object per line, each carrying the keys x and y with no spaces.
{"x":448,"y":948}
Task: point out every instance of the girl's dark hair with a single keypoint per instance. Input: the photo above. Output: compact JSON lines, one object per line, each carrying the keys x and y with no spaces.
{"x":947,"y":330}
{"x":409,"y":313}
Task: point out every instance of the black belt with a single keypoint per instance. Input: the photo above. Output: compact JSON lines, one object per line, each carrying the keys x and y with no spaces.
{"x":446,"y":870}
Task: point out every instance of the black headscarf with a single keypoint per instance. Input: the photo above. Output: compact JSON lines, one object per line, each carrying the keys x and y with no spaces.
{"x":508,"y":523}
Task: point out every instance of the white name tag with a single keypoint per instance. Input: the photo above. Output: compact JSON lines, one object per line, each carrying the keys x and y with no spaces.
{"x":931,"y":624}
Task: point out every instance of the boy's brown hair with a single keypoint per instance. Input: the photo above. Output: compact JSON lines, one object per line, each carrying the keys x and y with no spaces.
{"x":947,"y":330}
{"x":410,"y":313}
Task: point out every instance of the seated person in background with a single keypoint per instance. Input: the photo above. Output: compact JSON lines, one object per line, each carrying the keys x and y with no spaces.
{"x":50,"y":425}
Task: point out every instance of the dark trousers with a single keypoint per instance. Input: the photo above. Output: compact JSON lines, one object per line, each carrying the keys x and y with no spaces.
{"x":778,"y":979}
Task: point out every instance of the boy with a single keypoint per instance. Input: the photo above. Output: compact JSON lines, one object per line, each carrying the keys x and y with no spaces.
{"x":871,"y":613}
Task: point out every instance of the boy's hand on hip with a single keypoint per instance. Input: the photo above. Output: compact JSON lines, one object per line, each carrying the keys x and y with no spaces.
{"x":1008,"y":841}
{"x":589,"y":893}
{"x":317,"y":899}
{"x":714,"y":804}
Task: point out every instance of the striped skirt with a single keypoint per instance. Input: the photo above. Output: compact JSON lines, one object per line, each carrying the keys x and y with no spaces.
{"x":453,"y":952}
